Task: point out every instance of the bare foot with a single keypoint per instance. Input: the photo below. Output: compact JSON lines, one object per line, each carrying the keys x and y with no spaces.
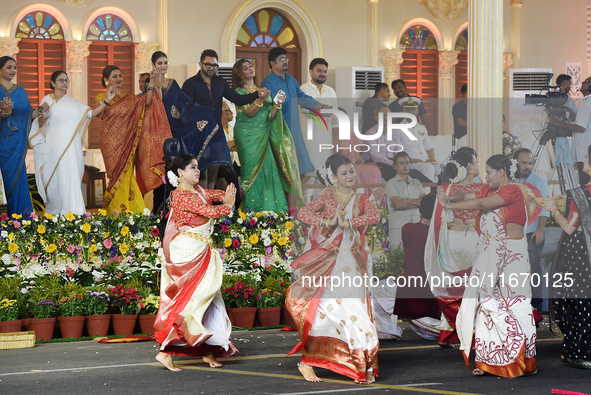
{"x":478,"y":372}
{"x":166,"y":360}
{"x":370,"y":378}
{"x":446,"y":345}
{"x":308,"y":373}
{"x":210,"y":359}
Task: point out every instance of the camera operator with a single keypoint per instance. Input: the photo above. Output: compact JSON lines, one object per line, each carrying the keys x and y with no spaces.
{"x":564,"y":82}
{"x":581,"y":130}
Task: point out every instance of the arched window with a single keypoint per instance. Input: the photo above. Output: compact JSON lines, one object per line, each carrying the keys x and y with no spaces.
{"x":109,"y":27}
{"x":112,"y":44}
{"x":262,"y":30}
{"x":41,"y":52}
{"x":461,"y":44}
{"x":420,"y":69}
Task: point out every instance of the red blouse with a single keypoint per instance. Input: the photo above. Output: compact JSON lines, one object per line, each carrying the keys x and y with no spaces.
{"x":572,"y":206}
{"x":365,"y":211}
{"x":188,"y":205}
{"x":465,"y":215}
{"x":514,"y":209}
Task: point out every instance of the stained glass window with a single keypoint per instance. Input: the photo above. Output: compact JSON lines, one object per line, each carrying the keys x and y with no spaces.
{"x":418,"y":37}
{"x":109,"y":27}
{"x":267,"y":28}
{"x":40,"y":25}
{"x":462,"y":41}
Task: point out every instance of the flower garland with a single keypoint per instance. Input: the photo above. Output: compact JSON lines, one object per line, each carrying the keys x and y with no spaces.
{"x":173,"y":180}
{"x":513,"y":169}
{"x":462,"y":173}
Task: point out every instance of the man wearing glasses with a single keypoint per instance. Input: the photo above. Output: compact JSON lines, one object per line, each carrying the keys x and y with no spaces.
{"x":581,"y":130}
{"x":278,"y":80}
{"x":209,"y":89}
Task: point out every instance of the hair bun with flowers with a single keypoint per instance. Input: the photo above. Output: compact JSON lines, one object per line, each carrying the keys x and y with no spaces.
{"x":325,"y":175}
{"x":172,"y":179}
{"x":513,"y":169}
{"x":462,"y":172}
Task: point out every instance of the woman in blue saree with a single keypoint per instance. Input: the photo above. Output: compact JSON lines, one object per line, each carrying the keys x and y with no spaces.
{"x":15,"y":122}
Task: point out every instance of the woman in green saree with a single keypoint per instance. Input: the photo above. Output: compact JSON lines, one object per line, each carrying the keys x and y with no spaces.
{"x":270,"y":171}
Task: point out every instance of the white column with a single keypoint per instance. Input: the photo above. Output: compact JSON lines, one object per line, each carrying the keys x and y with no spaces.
{"x":9,"y":47}
{"x":163,"y":25}
{"x":516,"y":30}
{"x":373,"y":33}
{"x":485,"y":78}
{"x":77,"y":51}
{"x":447,"y":61}
{"x":392,"y":59}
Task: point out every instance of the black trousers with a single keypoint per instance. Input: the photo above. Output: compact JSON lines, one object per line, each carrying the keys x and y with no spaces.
{"x":583,"y":177}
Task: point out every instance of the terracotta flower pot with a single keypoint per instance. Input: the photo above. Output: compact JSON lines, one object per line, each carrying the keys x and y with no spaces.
{"x":147,"y":323}
{"x":43,"y":328}
{"x":243,"y":317}
{"x":98,"y":325}
{"x":124,"y":324}
{"x":11,"y":326}
{"x":269,"y":316}
{"x":286,"y":318}
{"x":26,"y":324}
{"x":71,"y":326}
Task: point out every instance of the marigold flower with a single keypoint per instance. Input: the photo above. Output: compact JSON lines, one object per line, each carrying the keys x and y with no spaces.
{"x":124,"y":231}
{"x":258,"y":214}
{"x":124,"y":248}
{"x":48,"y":216}
{"x":69,"y":216}
{"x":86,"y":228}
{"x":106,"y":235}
{"x":289,"y":225}
{"x":51,"y":248}
{"x":102,"y":212}
{"x":13,"y":248}
{"x":41,"y":229}
{"x":282,"y":241}
{"x":92,"y":249}
{"x":253,"y":239}
{"x":228,"y":242}
{"x":242,"y":215}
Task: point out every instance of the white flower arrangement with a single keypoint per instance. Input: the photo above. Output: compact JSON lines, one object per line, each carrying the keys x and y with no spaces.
{"x":513,"y":169}
{"x":329,"y":174}
{"x":462,"y":172}
{"x":172,"y":179}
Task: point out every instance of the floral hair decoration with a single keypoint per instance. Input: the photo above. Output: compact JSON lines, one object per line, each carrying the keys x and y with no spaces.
{"x":462,"y":172}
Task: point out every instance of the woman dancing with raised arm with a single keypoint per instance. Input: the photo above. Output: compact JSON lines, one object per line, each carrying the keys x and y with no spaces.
{"x":495,"y":312}
{"x":192,"y":318}
{"x":335,"y":321}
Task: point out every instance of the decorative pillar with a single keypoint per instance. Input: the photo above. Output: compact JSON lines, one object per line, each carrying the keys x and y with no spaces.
{"x":143,"y":59}
{"x":392,"y":59}
{"x":163,"y":25}
{"x":77,"y":51}
{"x":516,"y":29}
{"x":373,"y":32}
{"x":485,"y":78}
{"x":447,"y":61}
{"x":508,"y":61}
{"x":9,"y":47}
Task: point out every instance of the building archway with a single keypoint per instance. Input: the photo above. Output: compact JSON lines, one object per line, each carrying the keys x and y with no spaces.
{"x":304,"y":24}
{"x":460,"y":43}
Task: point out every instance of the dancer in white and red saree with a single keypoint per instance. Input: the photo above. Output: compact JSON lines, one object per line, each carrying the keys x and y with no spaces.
{"x":335,"y":323}
{"x":192,"y":319}
{"x":496,"y":317}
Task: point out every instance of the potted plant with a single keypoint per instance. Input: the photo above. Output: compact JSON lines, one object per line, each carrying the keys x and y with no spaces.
{"x":125,"y":299}
{"x":148,"y":307}
{"x":72,"y":318}
{"x":269,"y":304}
{"x":44,"y":322}
{"x":96,"y":303}
{"x":9,"y":321}
{"x":240,"y":302}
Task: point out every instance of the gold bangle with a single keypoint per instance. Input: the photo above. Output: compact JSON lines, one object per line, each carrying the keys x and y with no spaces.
{"x":278,"y":106}
{"x":553,"y":212}
{"x":255,"y":103}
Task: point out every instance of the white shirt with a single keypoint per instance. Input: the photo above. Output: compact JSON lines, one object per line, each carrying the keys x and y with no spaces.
{"x":582,"y":141}
{"x":416,"y":149}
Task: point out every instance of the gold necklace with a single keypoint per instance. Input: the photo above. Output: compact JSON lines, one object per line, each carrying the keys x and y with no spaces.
{"x":251,"y":90}
{"x":188,"y":189}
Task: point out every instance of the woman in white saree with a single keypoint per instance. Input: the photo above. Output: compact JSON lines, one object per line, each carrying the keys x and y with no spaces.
{"x":56,"y":138}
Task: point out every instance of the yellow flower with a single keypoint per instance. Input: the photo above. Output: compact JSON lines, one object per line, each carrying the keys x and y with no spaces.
{"x":124,"y":248}
{"x":13,"y":248}
{"x":258,"y":214}
{"x":86,"y":228}
{"x":16,"y":216}
{"x":27,"y":222}
{"x":41,"y":229}
{"x":124,"y":231}
{"x":49,"y":216}
{"x":228,"y":242}
{"x":51,"y":248}
{"x":275,"y":236}
{"x":106,"y":235}
{"x":242,"y":215}
{"x":102,"y":212}
{"x":11,"y":237}
{"x":282,"y":241}
{"x":69,"y":216}
{"x":288,"y":225}
{"x":92,"y":249}
{"x":253,"y":239}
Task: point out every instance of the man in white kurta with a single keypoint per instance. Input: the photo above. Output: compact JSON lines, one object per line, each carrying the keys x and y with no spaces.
{"x":324,"y":94}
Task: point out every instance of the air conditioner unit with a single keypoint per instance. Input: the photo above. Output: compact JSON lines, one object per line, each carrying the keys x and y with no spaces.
{"x":354,"y":85}
{"x":224,"y":71}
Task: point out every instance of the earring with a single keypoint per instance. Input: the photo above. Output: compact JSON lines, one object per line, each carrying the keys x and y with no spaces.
{"x":107,"y":83}
{"x":179,"y":180}
{"x":472,"y":172}
{"x":336,"y":183}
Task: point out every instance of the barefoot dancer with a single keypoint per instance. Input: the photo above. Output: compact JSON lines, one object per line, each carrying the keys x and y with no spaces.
{"x":496,"y":312}
{"x":192,"y":319}
{"x":335,"y":324}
